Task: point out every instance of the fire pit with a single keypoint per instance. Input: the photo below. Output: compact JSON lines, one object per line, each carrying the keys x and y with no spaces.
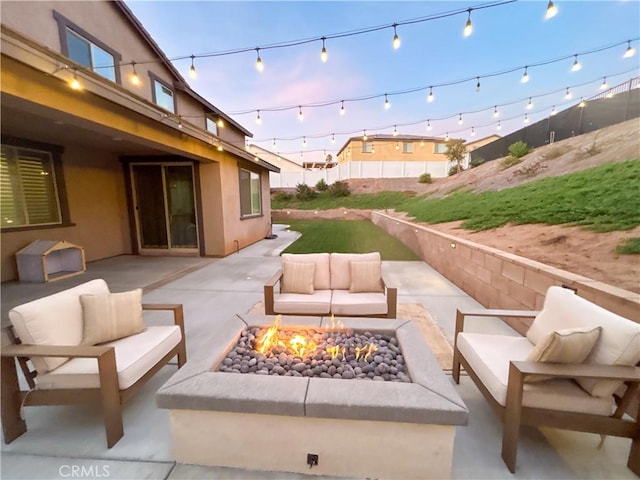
{"x":361,"y":426}
{"x":334,"y":352}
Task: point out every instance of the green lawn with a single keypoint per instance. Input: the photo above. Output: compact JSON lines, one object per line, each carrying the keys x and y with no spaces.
{"x":347,"y":236}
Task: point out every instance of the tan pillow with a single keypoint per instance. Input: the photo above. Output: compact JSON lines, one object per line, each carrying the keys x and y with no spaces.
{"x":572,"y":345}
{"x":297,"y":277}
{"x":111,"y":316}
{"x":366,"y":277}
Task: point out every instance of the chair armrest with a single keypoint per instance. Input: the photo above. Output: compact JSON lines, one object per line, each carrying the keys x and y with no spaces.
{"x":392,"y":299}
{"x":485,"y":312}
{"x":73,"y":351}
{"x":178,"y":312}
{"x":268,"y":292}
{"x":582,"y":370}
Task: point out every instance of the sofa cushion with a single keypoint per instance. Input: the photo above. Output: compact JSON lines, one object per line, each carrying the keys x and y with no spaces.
{"x":319,"y":303}
{"x":321,"y":276}
{"x":489,"y":356}
{"x":297,"y":277}
{"x":619,"y":342}
{"x":53,"y":320}
{"x":366,"y":277}
{"x":345,"y":303}
{"x":341,"y":271}
{"x":135,"y":355}
{"x":111,"y":316}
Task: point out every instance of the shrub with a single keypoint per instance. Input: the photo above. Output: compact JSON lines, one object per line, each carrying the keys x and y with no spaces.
{"x":425,"y":178}
{"x":476,"y":162}
{"x":509,"y":161}
{"x":518,"y":149}
{"x":453,"y":170}
{"x":282,"y":196}
{"x":339,"y":188}
{"x":305,"y":192}
{"x":629,"y":246}
{"x":555,"y":152}
{"x":322,"y":186}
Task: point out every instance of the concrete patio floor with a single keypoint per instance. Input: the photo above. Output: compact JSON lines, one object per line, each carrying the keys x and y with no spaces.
{"x":67,"y":439}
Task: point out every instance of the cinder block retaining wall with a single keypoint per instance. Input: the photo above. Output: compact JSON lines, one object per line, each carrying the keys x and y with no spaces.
{"x":499,"y":279}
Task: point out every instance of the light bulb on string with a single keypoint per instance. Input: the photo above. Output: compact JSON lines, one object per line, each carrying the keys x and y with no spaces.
{"x":323,"y":53}
{"x":478,"y":85}
{"x":192,"y":70}
{"x":576,"y":64}
{"x":396,"y":38}
{"x":468,"y":28}
{"x":496,"y":113}
{"x":530,"y":104}
{"x":525,"y":76}
{"x":74,"y":83}
{"x":551,"y":12}
{"x":220,"y":147}
{"x":604,"y":84}
{"x":610,"y":94}
{"x":582,"y":103}
{"x":274,"y":145}
{"x":333,"y":138}
{"x":342,"y":110}
{"x":304,"y":142}
{"x":526,"y":118}
{"x":395,"y":131}
{"x":258,"y":118}
{"x":446,"y":137}
{"x":429,"y":127}
{"x":499,"y":126}
{"x":259,"y":64}
{"x":373,"y":148}
{"x":460,"y":122}
{"x":630,"y":51}
{"x":135,"y":79}
{"x":364,"y":136}
{"x":473,"y":131}
{"x":300,"y":114}
{"x":568,"y":94}
{"x":387,"y":104}
{"x":430,"y":97}
{"x":553,"y":111}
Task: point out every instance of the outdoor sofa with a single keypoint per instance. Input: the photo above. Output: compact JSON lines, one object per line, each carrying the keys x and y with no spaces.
{"x":340,"y":284}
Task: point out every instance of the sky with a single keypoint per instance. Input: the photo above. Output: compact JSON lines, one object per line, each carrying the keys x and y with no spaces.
{"x":434,"y":52}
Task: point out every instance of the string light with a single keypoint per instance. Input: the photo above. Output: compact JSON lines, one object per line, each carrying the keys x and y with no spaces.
{"x":387,"y":105}
{"x":582,"y":103}
{"x":553,"y":111}
{"x":373,"y":148}
{"x":192,"y":70}
{"x":499,"y":126}
{"x":220,"y":147}
{"x":610,"y":94}
{"x":604,"y":85}
{"x":258,"y":118}
{"x":259,"y":64}
{"x":576,"y":64}
{"x":552,"y":10}
{"x":396,"y":38}
{"x":300,"y":114}
{"x":446,"y":137}
{"x":468,"y":28}
{"x":135,"y":79}
{"x":74,"y":83}
{"x":473,"y":131}
{"x":530,"y":104}
{"x":496,"y":113}
{"x":274,"y":143}
{"x":429,"y":127}
{"x":430,"y":97}
{"x":333,"y":138}
{"x":630,"y":51}
{"x":526,"y":118}
{"x":395,"y":131}
{"x":568,"y":94}
{"x":364,"y":136}
{"x":304,"y":142}
{"x":397,"y":146}
{"x":342,"y":110}
{"x":478,"y":84}
{"x":323,"y":53}
{"x":460,"y":122}
{"x":220,"y":123}
{"x":525,"y":76}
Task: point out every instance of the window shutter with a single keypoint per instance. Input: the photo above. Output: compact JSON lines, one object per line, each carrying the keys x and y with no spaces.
{"x":36,"y":176}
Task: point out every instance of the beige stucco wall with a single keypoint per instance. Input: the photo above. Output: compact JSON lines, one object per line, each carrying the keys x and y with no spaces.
{"x":97,"y":203}
{"x":385,"y":151}
{"x":499,"y":279}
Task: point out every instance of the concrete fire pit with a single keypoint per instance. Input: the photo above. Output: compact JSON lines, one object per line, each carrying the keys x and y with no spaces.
{"x":354,"y":428}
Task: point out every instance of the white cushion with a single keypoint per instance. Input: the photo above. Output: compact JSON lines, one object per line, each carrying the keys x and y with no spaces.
{"x":319,"y":303}
{"x":366,"y":277}
{"x":619,"y":342}
{"x":53,"y":320}
{"x":341,"y":270}
{"x":321,"y":276}
{"x":346,"y":303}
{"x":135,"y":356}
{"x":297,"y":277}
{"x":111,"y":316}
{"x":489,"y":356}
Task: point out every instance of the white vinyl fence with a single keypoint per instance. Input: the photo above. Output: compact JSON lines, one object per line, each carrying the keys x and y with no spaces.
{"x":346,"y":171}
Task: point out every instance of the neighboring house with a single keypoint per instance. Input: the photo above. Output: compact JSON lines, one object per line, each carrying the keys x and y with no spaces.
{"x":318,"y":165}
{"x":393,"y":148}
{"x":471,"y":146}
{"x":284,"y":164}
{"x":117,"y":168}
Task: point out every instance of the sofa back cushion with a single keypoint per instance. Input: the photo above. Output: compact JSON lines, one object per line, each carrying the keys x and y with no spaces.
{"x":54,"y":320}
{"x":341,"y":269}
{"x":321,"y":276}
{"x":618,"y":344}
{"x":366,"y":277}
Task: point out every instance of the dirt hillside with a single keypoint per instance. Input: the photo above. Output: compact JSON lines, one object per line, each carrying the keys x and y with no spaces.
{"x":570,"y":248}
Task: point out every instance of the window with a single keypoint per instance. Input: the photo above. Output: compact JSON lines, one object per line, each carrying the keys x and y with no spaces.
{"x":211,"y":125}
{"x":162,"y":94}
{"x":250,"y":194}
{"x":407,"y":147}
{"x":28,"y":193}
{"x":367,"y":147}
{"x":83,"y":48}
{"x":440,"y":148}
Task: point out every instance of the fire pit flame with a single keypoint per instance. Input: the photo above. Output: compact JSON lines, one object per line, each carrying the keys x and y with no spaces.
{"x":301,"y":346}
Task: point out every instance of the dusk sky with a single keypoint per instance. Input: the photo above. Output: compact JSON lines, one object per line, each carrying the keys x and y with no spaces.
{"x":434,"y":52}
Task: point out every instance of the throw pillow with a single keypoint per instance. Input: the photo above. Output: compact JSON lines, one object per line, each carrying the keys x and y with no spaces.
{"x":111,"y":316}
{"x":297,"y":277}
{"x":366,"y":277}
{"x":571,"y":345}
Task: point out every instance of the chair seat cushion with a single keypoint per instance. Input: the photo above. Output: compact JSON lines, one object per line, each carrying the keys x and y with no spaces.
{"x":135,"y":356}
{"x":489,"y":357}
{"x":318,"y":303}
{"x":345,"y":303}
